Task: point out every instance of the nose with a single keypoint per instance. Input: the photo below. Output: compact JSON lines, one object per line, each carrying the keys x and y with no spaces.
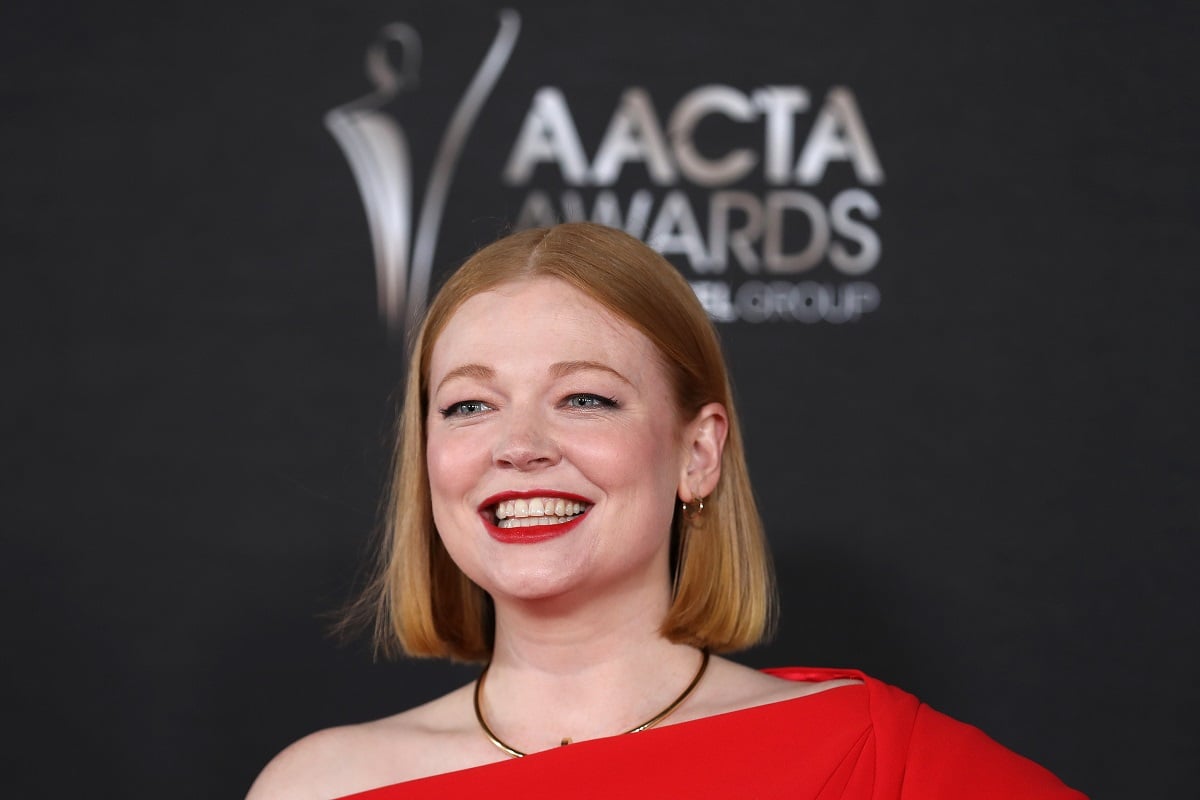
{"x":526,"y":442}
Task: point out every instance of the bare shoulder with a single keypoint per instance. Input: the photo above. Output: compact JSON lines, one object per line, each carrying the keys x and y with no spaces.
{"x":339,"y":761}
{"x":732,"y":687}
{"x":305,"y":769}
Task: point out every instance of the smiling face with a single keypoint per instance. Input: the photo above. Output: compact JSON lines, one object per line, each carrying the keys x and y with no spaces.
{"x":554,"y":447}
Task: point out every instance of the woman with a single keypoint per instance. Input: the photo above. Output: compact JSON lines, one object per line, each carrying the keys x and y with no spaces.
{"x":571,"y":506}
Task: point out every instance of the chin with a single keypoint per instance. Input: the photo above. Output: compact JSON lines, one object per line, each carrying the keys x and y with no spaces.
{"x":529,"y":587}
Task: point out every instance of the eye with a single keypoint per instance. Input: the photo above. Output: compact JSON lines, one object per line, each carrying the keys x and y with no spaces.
{"x":465,"y":408}
{"x":589,"y":401}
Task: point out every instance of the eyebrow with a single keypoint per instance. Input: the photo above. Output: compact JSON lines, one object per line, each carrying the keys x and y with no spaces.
{"x":477,"y":371}
{"x":558,"y":370}
{"x":564,"y":368}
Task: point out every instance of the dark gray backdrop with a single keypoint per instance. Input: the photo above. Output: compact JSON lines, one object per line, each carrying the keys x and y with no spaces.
{"x":983,"y":491}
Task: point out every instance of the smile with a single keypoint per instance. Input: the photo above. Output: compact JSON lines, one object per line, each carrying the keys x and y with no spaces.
{"x":527,"y":512}
{"x":532,"y":516}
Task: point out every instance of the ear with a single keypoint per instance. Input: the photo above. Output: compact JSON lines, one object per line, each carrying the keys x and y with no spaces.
{"x":703,"y":442}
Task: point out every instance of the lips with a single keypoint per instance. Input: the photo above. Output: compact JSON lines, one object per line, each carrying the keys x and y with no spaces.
{"x":533,"y":515}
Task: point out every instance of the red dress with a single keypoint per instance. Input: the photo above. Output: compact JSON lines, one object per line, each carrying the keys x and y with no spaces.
{"x":868,"y":742}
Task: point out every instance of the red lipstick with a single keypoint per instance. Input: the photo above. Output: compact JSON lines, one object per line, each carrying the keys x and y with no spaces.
{"x":529,"y":534}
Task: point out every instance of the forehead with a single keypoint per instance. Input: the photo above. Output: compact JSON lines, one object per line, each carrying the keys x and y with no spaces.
{"x":538,"y":322}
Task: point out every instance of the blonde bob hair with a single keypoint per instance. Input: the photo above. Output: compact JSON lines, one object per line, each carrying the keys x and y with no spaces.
{"x":420,"y":602}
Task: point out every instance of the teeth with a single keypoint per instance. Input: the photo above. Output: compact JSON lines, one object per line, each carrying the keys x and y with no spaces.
{"x":531,"y":522}
{"x":537,"y":510}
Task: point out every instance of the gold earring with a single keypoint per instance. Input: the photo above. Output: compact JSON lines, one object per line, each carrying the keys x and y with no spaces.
{"x":693,"y":512}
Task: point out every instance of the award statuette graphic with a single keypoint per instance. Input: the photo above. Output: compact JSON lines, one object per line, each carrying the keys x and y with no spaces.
{"x":380,"y":158}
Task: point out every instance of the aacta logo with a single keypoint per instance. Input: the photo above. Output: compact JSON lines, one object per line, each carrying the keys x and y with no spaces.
{"x":745,"y":225}
{"x":740,"y":231}
{"x":379,"y":155}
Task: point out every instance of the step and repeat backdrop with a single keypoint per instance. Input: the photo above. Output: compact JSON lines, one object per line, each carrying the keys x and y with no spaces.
{"x":949,"y":248}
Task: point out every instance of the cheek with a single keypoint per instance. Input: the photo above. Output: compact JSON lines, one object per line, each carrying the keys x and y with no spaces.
{"x":644,"y":457}
{"x":447,"y":462}
{"x":451,"y":480}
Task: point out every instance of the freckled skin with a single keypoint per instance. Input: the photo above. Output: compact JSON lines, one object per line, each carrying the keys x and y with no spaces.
{"x":521,"y":424}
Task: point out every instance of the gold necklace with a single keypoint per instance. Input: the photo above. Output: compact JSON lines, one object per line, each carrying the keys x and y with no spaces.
{"x":650,"y":723}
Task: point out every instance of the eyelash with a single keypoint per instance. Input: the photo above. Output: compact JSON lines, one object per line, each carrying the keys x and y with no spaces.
{"x":456,"y":409}
{"x":594,"y":401}
{"x":600,"y":401}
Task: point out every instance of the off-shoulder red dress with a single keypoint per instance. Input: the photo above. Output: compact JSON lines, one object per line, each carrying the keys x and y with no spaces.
{"x":868,"y":742}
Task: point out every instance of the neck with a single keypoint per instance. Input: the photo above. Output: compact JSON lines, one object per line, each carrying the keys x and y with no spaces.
{"x":594,"y":623}
{"x":597,"y":670}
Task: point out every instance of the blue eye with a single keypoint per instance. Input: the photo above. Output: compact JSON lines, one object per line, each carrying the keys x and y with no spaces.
{"x":466,"y":408}
{"x":589,"y":401}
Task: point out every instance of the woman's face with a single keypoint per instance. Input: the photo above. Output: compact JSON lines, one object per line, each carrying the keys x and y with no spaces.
{"x":554,"y":447}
